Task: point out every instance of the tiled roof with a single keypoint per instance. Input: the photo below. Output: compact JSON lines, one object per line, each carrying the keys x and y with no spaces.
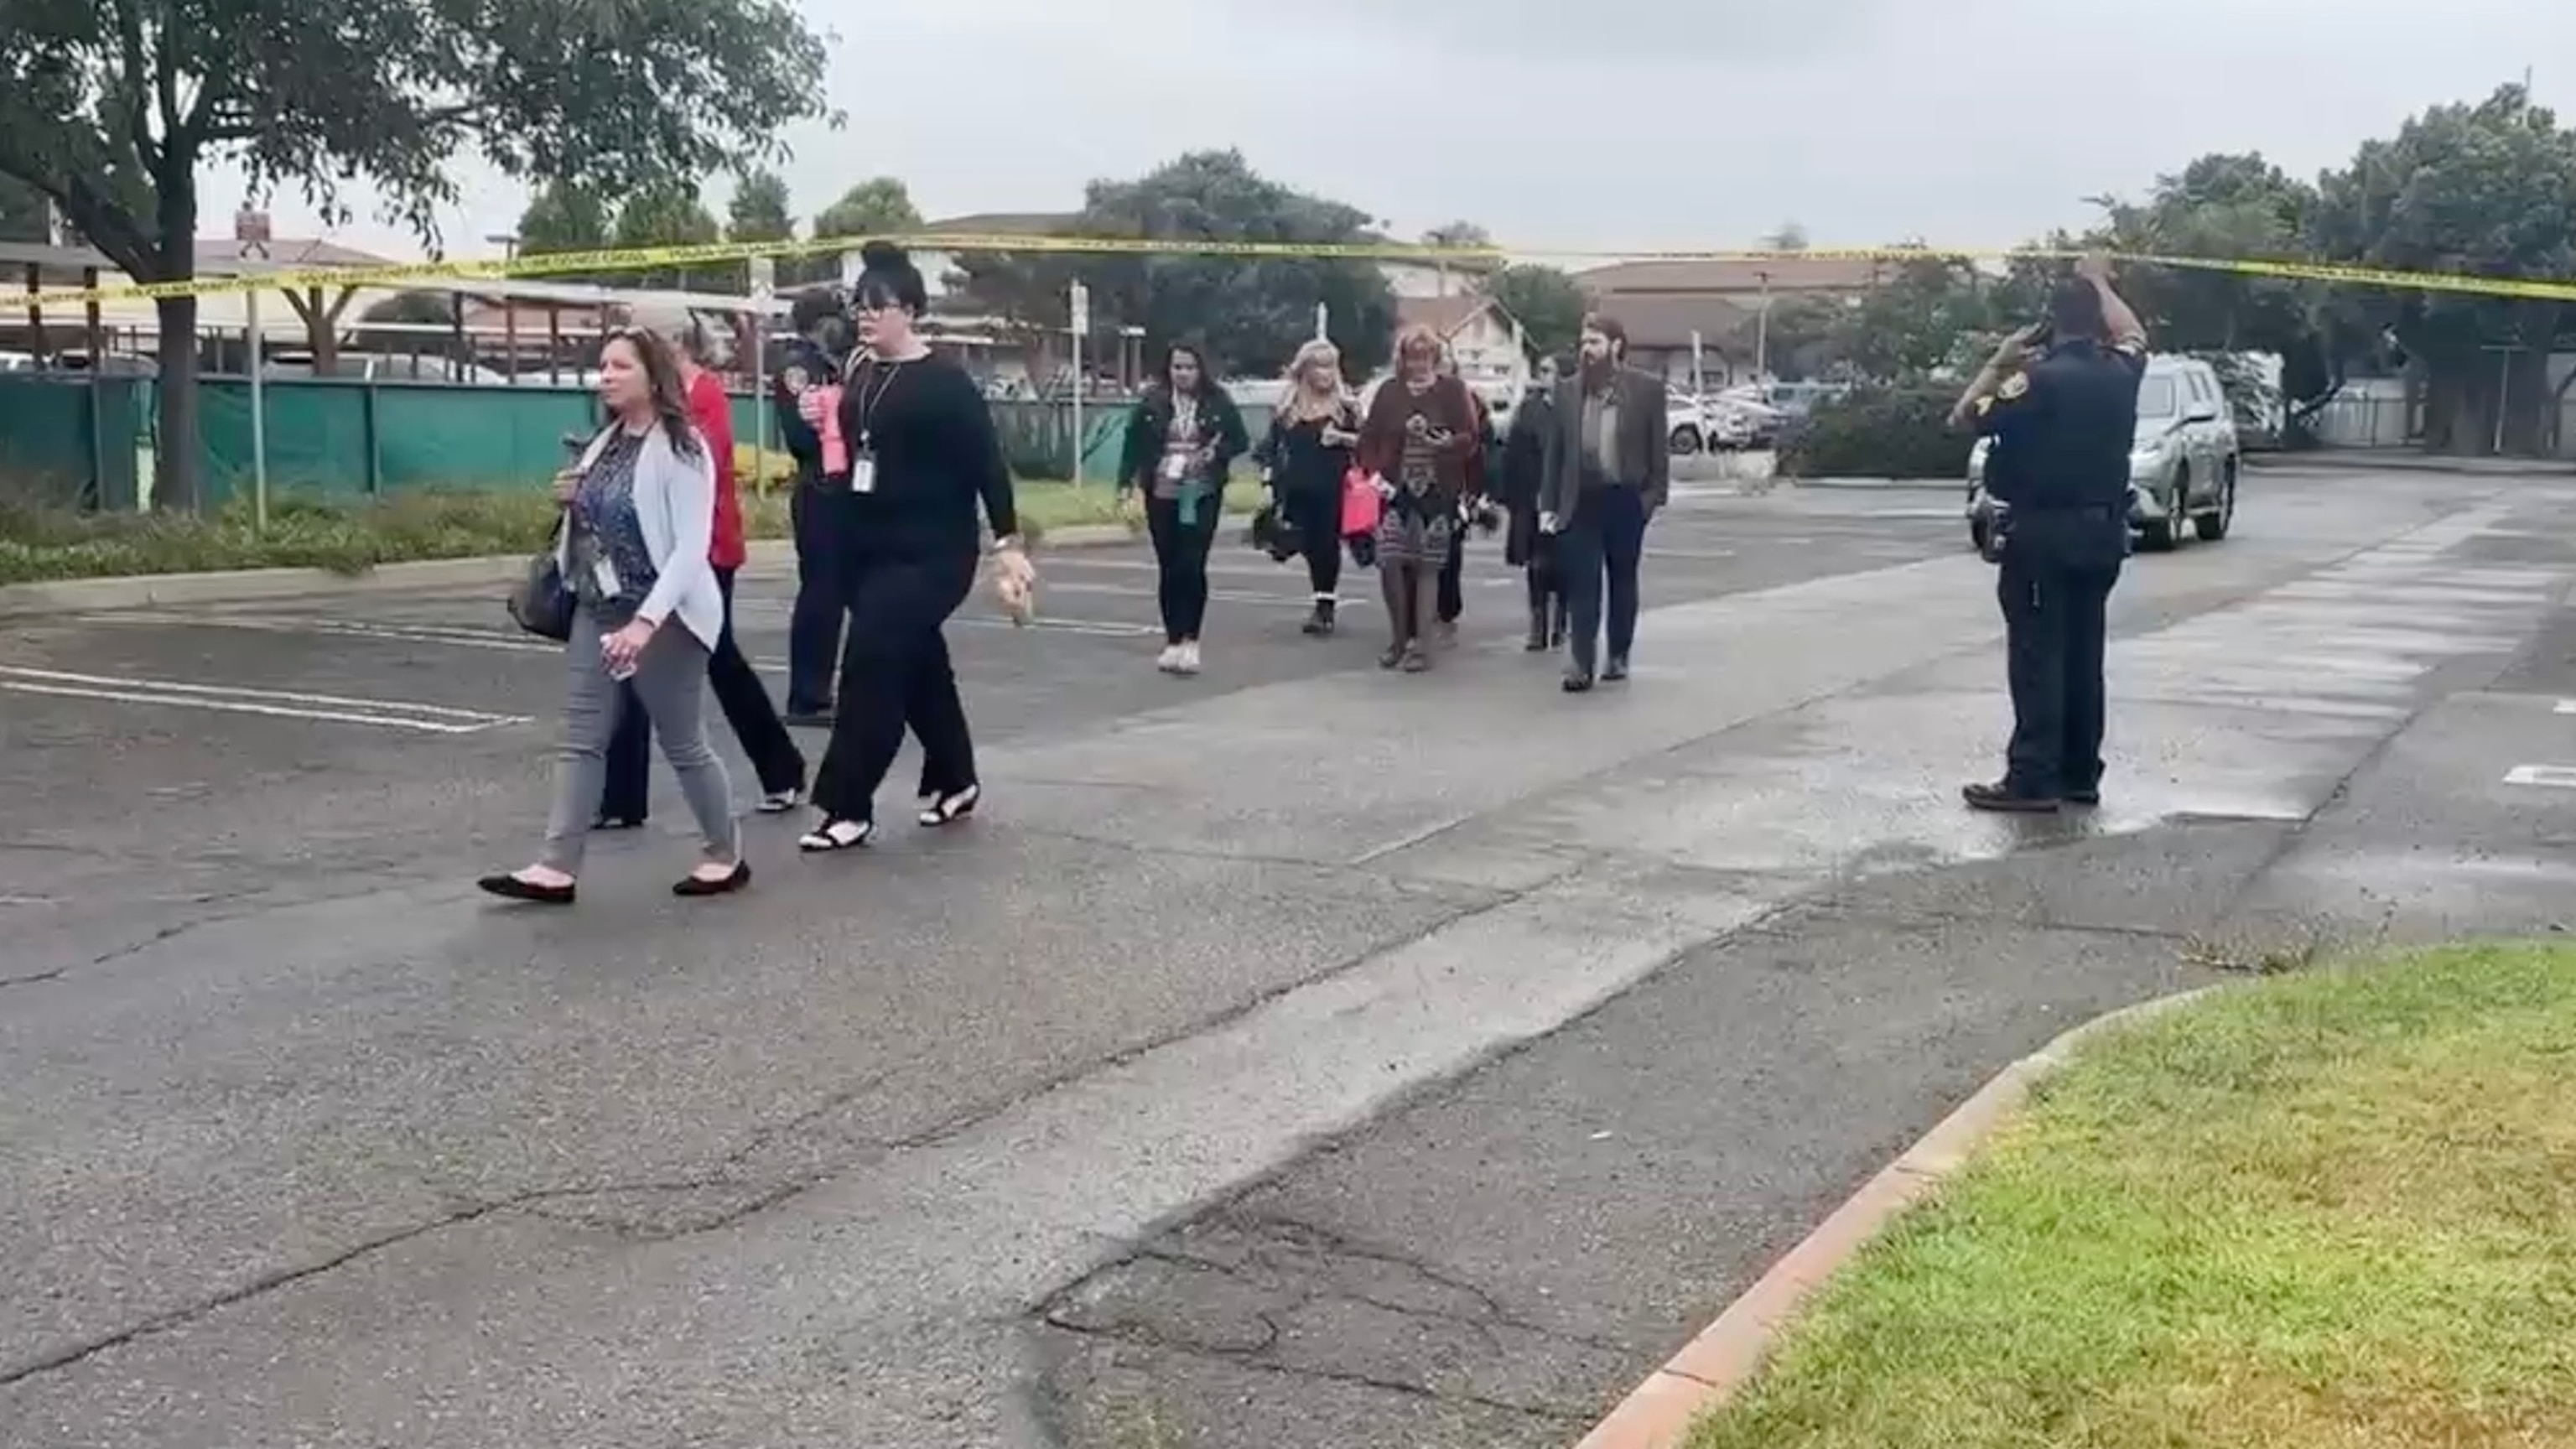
{"x":1789,"y":273}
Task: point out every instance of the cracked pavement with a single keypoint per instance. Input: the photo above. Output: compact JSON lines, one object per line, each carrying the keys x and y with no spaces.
{"x":1299,"y":1055}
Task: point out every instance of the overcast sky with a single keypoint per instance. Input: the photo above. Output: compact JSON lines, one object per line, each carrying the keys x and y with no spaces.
{"x":1614,"y":123}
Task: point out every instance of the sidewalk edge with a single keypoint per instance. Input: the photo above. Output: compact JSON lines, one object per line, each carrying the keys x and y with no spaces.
{"x":233,"y":586}
{"x":1659,"y":1413}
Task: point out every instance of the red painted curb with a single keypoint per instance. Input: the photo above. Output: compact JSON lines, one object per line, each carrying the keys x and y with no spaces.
{"x":1659,"y":1413}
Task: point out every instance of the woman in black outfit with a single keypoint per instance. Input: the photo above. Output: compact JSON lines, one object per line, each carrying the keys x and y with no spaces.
{"x":1181,"y":441}
{"x":1307,"y":452}
{"x":1524,"y":547}
{"x":922,"y":454}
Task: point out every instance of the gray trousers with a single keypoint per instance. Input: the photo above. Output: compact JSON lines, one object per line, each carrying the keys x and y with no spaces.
{"x":671,"y":681}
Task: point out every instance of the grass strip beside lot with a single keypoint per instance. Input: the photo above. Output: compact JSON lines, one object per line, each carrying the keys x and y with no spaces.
{"x":45,"y":544}
{"x":2335,"y":1209}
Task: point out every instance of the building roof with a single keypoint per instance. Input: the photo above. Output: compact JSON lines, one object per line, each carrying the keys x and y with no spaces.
{"x":1666,"y":319}
{"x":1789,"y":273}
{"x":222,"y":256}
{"x":1004,"y":223}
{"x":1444,"y":315}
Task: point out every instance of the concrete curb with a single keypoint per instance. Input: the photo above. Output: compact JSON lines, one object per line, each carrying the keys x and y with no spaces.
{"x":1659,"y":1413}
{"x":232,"y":586}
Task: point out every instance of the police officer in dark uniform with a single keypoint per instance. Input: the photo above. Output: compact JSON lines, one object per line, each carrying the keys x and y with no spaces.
{"x":2061,"y":403}
{"x":813,"y":357}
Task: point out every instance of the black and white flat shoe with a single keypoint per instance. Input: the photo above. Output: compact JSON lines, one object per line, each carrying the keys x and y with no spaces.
{"x":834,"y":835}
{"x":937,"y":810}
{"x":738,"y":878}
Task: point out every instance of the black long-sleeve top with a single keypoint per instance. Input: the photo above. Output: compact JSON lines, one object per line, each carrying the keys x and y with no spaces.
{"x":930,"y":434}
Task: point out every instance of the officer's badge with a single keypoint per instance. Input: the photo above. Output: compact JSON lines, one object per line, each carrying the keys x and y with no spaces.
{"x":2014,"y":387}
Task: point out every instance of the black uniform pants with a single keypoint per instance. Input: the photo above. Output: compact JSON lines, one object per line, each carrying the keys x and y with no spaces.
{"x":745,"y":700}
{"x":818,"y":513}
{"x":2055,"y":585}
{"x":1181,"y":563}
{"x":1598,"y":552}
{"x":895,"y":672}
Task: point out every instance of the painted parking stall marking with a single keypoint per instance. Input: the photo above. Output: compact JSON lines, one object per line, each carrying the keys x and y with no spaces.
{"x":435,"y":719}
{"x":2553,"y":777}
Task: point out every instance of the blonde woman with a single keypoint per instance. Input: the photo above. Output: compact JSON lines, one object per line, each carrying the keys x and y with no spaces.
{"x":1306,"y":454}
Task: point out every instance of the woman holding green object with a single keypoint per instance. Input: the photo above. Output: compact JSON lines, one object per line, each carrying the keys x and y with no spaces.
{"x":1181,"y":440}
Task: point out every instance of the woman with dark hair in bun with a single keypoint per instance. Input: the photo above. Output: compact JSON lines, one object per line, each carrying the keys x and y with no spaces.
{"x":922,"y":456}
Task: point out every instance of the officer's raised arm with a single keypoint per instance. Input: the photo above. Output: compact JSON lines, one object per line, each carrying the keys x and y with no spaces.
{"x":2120,"y":323}
{"x":2005,"y":367}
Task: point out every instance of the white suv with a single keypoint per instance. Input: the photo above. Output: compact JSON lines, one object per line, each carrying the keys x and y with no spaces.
{"x":2183,"y":461}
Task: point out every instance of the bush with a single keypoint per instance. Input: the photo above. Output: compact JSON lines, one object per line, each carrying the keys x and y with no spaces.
{"x":1879,"y":433}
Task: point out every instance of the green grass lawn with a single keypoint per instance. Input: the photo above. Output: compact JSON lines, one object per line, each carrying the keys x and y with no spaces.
{"x":38,"y":544}
{"x":2328,"y":1211}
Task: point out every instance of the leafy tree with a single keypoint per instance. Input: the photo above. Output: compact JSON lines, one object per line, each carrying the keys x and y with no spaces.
{"x":2488,"y":188}
{"x":24,"y":216}
{"x":1463,"y":235}
{"x":1791,"y":237}
{"x":113,"y":109}
{"x":388,"y":325}
{"x":666,"y":214}
{"x":563,"y":216}
{"x":1912,"y":324}
{"x":878,"y":206}
{"x":758,"y":211}
{"x":1547,"y":302}
{"x":1250,"y":313}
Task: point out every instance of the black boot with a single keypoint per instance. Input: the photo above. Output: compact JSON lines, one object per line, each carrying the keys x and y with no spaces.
{"x":1538,"y":631}
{"x":1320,"y":622}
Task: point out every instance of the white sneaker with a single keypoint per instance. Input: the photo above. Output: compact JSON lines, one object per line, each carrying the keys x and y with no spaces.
{"x":1169,"y":661}
{"x":1188,"y":663}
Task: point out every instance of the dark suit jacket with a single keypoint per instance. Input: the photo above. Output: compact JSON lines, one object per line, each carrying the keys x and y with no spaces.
{"x":1643,"y":448}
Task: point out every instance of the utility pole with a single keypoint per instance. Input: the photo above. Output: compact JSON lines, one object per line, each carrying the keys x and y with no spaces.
{"x":1762,"y":333}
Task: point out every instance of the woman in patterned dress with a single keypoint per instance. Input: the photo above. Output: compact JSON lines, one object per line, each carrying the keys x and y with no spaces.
{"x":1421,"y":440}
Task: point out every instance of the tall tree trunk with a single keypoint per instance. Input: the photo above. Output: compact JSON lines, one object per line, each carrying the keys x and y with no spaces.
{"x":178,"y":452}
{"x":175,"y":452}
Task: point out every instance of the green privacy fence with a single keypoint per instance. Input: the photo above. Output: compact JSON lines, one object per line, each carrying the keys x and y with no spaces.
{"x":69,"y":441}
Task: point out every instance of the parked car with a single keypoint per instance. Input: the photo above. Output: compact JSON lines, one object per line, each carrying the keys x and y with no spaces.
{"x":1696,"y":426}
{"x":2183,"y":461}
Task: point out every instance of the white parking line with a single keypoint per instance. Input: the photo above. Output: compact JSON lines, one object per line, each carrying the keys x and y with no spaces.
{"x":437,"y":719}
{"x":2554,"y":777}
{"x":2565,"y":706}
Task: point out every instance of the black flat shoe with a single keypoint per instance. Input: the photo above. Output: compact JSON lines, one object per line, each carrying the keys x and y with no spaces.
{"x":723,"y":885}
{"x":511,"y":888}
{"x":834,"y":835}
{"x":617,"y":822}
{"x":1577,"y":682}
{"x":949,"y":809}
{"x":2002,"y":799}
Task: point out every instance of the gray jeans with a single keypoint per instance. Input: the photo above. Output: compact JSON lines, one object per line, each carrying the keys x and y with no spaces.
{"x":671,"y":680}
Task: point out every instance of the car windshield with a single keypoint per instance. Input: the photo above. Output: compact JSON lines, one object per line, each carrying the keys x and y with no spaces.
{"x":2156,"y":397}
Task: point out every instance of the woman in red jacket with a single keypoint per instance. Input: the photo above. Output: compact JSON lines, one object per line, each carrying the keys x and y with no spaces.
{"x":774,"y":756}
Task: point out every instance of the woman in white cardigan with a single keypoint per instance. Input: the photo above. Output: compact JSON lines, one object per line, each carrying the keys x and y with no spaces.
{"x":639,"y":510}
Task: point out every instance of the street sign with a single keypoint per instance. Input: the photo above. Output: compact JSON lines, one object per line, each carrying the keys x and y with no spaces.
{"x":251,"y":233}
{"x":764,"y":278}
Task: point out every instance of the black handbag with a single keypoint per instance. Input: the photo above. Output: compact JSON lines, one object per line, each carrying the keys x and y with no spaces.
{"x":541,"y":602}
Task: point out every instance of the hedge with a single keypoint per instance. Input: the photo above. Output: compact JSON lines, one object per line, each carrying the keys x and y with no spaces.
{"x":1900,"y":432}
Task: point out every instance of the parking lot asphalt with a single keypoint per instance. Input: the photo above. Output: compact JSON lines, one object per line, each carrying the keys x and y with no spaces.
{"x":1297,"y":1054}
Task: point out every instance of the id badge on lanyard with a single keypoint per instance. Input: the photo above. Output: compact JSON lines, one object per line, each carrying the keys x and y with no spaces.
{"x":863,"y":468}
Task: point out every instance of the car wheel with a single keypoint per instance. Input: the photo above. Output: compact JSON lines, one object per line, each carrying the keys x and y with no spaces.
{"x":2158,"y":535}
{"x":1977,"y":534}
{"x":2213,"y":526}
{"x":1685,"y":440}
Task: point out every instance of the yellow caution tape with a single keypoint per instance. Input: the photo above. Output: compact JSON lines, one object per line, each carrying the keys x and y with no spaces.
{"x":667,"y":258}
